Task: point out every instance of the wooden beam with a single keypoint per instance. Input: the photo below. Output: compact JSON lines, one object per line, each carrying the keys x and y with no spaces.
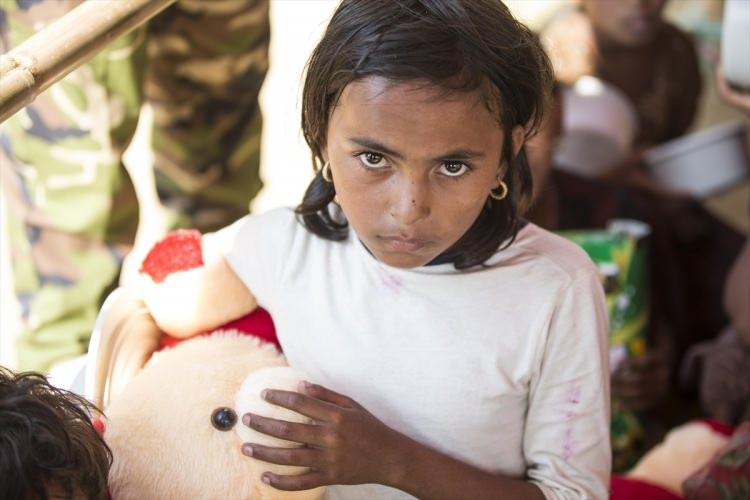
{"x":46,"y":57}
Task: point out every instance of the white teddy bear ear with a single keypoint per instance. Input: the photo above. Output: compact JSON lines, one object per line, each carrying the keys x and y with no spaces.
{"x":248,"y":400}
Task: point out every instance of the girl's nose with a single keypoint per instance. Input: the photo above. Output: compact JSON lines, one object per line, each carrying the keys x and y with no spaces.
{"x":410,"y":201}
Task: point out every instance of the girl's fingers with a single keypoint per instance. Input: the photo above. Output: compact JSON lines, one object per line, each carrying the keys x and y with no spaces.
{"x":315,"y":401}
{"x":319,"y":392}
{"x":308,"y":481}
{"x":291,"y":431}
{"x":297,"y":402}
{"x":301,"y":457}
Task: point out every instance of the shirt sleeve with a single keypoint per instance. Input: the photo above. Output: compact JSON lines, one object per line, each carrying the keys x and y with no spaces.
{"x":566,"y":439}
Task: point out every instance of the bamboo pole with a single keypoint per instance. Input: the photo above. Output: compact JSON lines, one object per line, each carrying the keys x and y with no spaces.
{"x":62,"y":46}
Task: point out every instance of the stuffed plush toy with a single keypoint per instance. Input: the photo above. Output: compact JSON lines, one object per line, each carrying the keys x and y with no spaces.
{"x":701,"y":460}
{"x":173,"y":414}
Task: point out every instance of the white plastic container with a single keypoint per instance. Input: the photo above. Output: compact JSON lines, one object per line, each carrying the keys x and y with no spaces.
{"x":702,"y":163}
{"x":599,"y":125}
{"x":735,"y":42}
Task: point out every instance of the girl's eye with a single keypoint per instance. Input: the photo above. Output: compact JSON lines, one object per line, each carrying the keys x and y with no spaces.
{"x":453,"y":168}
{"x":371,"y":160}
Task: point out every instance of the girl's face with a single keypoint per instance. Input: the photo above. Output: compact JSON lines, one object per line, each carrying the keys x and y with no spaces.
{"x":412,"y":166}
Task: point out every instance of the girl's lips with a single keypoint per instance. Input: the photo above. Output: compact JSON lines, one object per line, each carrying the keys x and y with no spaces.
{"x":404,"y":244}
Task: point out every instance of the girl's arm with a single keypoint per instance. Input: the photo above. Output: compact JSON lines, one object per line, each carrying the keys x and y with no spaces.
{"x":348,"y":445}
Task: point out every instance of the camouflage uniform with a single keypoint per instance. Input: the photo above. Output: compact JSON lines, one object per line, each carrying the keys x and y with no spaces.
{"x":72,"y":208}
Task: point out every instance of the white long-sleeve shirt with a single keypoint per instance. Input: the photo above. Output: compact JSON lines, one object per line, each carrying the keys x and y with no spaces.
{"x":503,"y":366}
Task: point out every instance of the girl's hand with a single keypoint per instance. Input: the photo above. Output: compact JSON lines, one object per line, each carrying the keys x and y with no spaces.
{"x":345,"y":444}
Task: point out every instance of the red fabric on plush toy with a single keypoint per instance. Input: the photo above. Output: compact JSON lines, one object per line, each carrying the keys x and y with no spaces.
{"x":179,"y":250}
{"x":258,"y":324}
{"x":625,"y":488}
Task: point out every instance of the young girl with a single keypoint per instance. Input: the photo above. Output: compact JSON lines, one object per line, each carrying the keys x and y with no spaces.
{"x":472,"y":344}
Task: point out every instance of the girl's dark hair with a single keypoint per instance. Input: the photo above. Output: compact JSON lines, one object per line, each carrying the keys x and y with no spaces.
{"x":48,"y":444}
{"x":459,"y":45}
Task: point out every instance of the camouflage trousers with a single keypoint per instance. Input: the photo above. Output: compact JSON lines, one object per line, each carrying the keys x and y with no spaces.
{"x":72,"y":210}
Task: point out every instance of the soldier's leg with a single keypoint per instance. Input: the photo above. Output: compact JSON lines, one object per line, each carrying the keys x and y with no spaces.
{"x":72,"y":208}
{"x":207,"y":62}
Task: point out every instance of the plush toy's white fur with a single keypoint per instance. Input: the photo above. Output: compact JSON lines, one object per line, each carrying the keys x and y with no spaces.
{"x":159,"y":426}
{"x":684,"y":450}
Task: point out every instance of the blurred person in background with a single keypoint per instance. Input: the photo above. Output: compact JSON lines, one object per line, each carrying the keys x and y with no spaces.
{"x":718,"y":368}
{"x":629,"y":45}
{"x":737,"y":288}
{"x":73,"y":212}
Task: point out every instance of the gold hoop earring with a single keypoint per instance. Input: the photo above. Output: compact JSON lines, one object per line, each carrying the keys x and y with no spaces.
{"x":503,"y":191}
{"x":325,"y":172}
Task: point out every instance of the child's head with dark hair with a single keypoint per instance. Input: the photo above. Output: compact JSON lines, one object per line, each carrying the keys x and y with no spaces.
{"x":48,"y":444}
{"x":625,"y":24}
{"x":385,"y":55}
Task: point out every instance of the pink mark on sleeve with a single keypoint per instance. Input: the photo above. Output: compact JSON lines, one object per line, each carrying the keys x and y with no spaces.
{"x":574,"y":397}
{"x":572,"y":400}
{"x":568,"y":444}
